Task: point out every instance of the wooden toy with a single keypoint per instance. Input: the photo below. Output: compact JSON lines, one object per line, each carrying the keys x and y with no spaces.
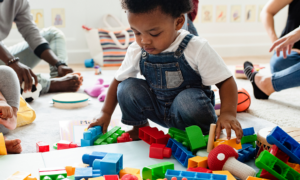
{"x":70,"y":100}
{"x":244,"y":100}
{"x":231,"y":142}
{"x":2,"y":145}
{"x":211,"y":137}
{"x":197,"y":161}
{"x":42,"y":147}
{"x":21,"y":176}
{"x":227,"y":173}
{"x":159,"y":151}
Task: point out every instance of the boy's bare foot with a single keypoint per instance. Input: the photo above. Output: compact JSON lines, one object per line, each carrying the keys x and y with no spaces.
{"x":134,"y":132}
{"x":13,"y":146}
{"x":68,"y":83}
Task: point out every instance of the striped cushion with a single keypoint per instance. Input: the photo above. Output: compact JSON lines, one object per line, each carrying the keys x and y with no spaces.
{"x":112,"y":54}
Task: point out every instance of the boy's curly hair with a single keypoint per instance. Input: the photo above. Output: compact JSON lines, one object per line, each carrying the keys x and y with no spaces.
{"x":172,"y":7}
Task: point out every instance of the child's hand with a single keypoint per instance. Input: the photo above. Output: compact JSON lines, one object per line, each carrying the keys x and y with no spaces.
{"x":5,"y":110}
{"x":102,"y":120}
{"x":229,"y":122}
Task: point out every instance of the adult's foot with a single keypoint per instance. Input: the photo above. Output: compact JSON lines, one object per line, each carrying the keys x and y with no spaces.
{"x":13,"y":146}
{"x":134,"y":132}
{"x":68,"y":83}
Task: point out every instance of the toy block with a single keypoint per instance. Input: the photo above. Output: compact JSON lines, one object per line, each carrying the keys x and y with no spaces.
{"x":179,"y":152}
{"x":246,"y":153}
{"x":200,"y":169}
{"x":62,"y":144}
{"x":127,"y":170}
{"x":52,"y":173}
{"x":197,"y":161}
{"x":248,"y":131}
{"x":231,"y":142}
{"x":42,"y":147}
{"x":159,"y":151}
{"x":193,"y":175}
{"x":156,"y":171}
{"x":227,"y":173}
{"x":125,"y":137}
{"x":295,"y":166}
{"x":85,"y":173}
{"x":276,"y":167}
{"x":129,"y":177}
{"x":109,"y":137}
{"x":70,"y":170}
{"x":285,"y":143}
{"x":153,"y":135}
{"x":110,"y":164}
{"x":89,"y":158}
{"x":97,"y":178}
{"x":249,"y":139}
{"x":255,"y":178}
{"x":2,"y":145}
{"x":179,"y":136}
{"x":111,"y":177}
{"x":195,"y":137}
{"x":91,"y":135}
{"x":21,"y":176}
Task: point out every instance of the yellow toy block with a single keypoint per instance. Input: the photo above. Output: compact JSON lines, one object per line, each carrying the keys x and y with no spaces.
{"x":131,"y":171}
{"x":231,"y":142}
{"x":227,"y":173}
{"x":21,"y":176}
{"x":197,"y":161}
{"x":255,"y":178}
{"x":2,"y":145}
{"x":70,"y":170}
{"x":97,"y":178}
{"x":295,"y":166}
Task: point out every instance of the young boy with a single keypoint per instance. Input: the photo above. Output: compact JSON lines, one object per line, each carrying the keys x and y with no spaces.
{"x":179,"y":69}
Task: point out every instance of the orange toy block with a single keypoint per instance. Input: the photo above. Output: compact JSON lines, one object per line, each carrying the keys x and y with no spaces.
{"x":70,"y":170}
{"x":255,"y":178}
{"x":21,"y":176}
{"x":131,"y":171}
{"x":231,"y":142}
{"x":295,"y":166}
{"x":97,"y":178}
{"x":227,"y":173}
{"x":2,"y":145}
{"x":197,"y":161}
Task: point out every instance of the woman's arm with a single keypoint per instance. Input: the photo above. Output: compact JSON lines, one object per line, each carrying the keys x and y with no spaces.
{"x":268,"y":13}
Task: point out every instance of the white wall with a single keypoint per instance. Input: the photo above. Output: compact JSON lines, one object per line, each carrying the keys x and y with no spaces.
{"x":229,"y":39}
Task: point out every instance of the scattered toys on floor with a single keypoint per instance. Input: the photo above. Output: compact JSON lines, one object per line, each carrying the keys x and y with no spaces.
{"x":244,"y":100}
{"x":42,"y":147}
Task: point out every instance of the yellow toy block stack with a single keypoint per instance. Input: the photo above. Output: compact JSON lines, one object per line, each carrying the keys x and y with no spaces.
{"x":2,"y":145}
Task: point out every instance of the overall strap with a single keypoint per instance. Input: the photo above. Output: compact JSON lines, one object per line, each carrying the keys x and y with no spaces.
{"x":183,"y":45}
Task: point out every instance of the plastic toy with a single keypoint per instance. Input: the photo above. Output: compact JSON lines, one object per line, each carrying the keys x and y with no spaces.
{"x":131,"y":171}
{"x":89,"y":158}
{"x":296,"y":167}
{"x":70,"y":170}
{"x":246,"y":153}
{"x":159,"y":151}
{"x":197,"y":161}
{"x":244,"y":100}
{"x":98,"y":90}
{"x":111,"y":177}
{"x":193,"y":175}
{"x":285,"y":142}
{"x":231,"y":142}
{"x":276,"y":167}
{"x":179,"y":152}
{"x":97,"y":70}
{"x":179,"y":136}
{"x":89,"y":63}
{"x":91,"y":135}
{"x":199,"y":169}
{"x":86,"y":173}
{"x":248,"y":131}
{"x":153,"y":135}
{"x":21,"y":176}
{"x":109,"y":137}
{"x":2,"y":145}
{"x":42,"y":147}
{"x":255,"y":178}
{"x":211,"y":137}
{"x":224,"y":157}
{"x":129,"y":177}
{"x":62,"y":144}
{"x":52,"y":173}
{"x":227,"y":173}
{"x":110,"y":164}
{"x":125,"y":137}
{"x":156,"y":171}
{"x":249,"y":139}
{"x":195,"y":137}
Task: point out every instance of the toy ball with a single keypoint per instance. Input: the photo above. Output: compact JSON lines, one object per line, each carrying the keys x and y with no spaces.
{"x":34,"y":94}
{"x":244,"y":100}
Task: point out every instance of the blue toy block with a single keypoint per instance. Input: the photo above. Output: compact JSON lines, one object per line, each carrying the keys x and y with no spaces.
{"x":83,"y":173}
{"x":285,"y":143}
{"x":91,"y":135}
{"x":248,"y":131}
{"x":89,"y":63}
{"x":179,"y":152}
{"x":193,"y":175}
{"x":246,"y":153}
{"x":110,"y":164}
{"x":89,"y":158}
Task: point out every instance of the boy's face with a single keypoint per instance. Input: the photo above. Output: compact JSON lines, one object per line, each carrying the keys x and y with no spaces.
{"x":155,"y":31}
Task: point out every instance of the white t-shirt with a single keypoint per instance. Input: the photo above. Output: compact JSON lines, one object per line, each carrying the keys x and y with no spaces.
{"x":198,"y":53}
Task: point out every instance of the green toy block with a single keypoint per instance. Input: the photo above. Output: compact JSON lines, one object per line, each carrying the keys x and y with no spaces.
{"x":109,"y":137}
{"x":249,"y":139}
{"x":156,"y":171}
{"x":206,"y":138}
{"x":259,"y":173}
{"x":179,"y":136}
{"x":195,"y":137}
{"x":253,"y":144}
{"x":276,"y":167}
{"x":53,"y":177}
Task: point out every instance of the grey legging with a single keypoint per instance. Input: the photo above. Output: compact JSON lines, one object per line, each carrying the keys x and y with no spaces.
{"x":10,"y":88}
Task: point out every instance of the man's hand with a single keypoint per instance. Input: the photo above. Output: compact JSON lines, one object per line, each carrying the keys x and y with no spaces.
{"x":64,"y":70}
{"x":24,"y":74}
{"x":229,"y":122}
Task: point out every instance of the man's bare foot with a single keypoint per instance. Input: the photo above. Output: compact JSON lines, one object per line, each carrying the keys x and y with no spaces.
{"x":68,"y":83}
{"x":13,"y":146}
{"x":134,"y":132}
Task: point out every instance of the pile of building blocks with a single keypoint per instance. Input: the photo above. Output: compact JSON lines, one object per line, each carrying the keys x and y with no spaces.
{"x":249,"y":137}
{"x":193,"y":175}
{"x":153,"y":135}
{"x":42,"y":147}
{"x":156,"y":171}
{"x":246,"y":153}
{"x":109,"y":137}
{"x":2,"y":145}
{"x":91,"y":135}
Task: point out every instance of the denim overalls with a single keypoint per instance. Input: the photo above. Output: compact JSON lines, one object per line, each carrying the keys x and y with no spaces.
{"x":172,"y":94}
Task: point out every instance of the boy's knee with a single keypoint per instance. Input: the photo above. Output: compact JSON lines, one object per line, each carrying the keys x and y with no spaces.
{"x":128,"y":88}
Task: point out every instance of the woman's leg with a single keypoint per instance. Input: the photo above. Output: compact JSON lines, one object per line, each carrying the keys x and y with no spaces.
{"x":279,"y":63}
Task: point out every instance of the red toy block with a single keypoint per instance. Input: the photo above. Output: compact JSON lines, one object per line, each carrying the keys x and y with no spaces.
{"x":65,"y":145}
{"x":159,"y":151}
{"x":199,"y":169}
{"x":111,"y":177}
{"x":42,"y":147}
{"x":125,"y":137}
{"x":153,"y":135}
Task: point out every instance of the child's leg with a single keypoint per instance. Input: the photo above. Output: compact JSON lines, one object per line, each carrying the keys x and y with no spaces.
{"x":192,"y":107}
